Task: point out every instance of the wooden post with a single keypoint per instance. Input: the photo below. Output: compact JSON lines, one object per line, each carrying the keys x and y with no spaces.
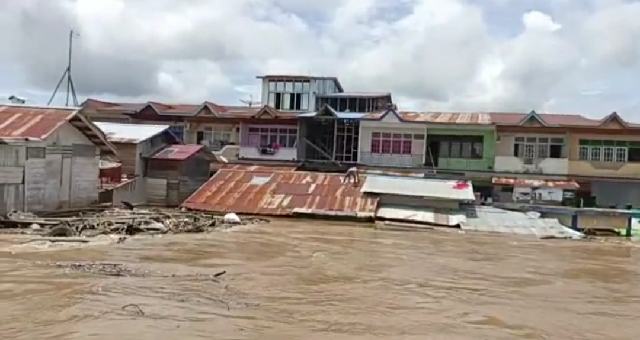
{"x":574,"y":221}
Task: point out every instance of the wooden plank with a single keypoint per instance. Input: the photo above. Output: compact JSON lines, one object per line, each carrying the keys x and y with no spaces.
{"x":11,"y":197}
{"x":84,"y":185}
{"x":156,"y":190}
{"x":35,"y":180}
{"x":11,"y":175}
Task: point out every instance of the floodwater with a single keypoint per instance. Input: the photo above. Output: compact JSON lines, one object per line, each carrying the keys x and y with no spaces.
{"x":318,"y":280}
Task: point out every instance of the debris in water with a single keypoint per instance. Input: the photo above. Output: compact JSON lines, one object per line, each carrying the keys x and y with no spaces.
{"x":120,"y":222}
{"x":134,"y":308}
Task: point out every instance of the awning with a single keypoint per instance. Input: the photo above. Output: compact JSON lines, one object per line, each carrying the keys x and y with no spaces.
{"x":536,"y":183}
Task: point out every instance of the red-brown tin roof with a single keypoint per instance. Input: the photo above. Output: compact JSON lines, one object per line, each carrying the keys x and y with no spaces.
{"x":265,"y":191}
{"x":36,"y":123}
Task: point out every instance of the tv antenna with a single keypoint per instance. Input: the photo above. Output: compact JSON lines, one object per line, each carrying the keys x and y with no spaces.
{"x":71,"y":89}
{"x":249,"y":101}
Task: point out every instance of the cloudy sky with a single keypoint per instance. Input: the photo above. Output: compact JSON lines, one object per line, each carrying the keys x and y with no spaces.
{"x":569,"y":56}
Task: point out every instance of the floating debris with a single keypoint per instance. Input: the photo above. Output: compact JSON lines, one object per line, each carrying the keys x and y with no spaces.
{"x":119,"y":222}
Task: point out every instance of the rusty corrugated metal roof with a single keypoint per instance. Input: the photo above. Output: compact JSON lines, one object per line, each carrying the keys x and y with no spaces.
{"x":178,"y":152}
{"x":30,"y":122}
{"x":536,"y":183}
{"x":23,"y":122}
{"x":264,"y":191}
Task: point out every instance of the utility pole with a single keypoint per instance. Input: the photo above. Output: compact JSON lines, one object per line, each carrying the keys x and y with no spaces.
{"x":71,"y":89}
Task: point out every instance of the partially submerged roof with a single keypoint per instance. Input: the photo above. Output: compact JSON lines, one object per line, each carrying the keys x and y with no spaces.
{"x":536,"y":183}
{"x":267,"y":191}
{"x":130,"y":133}
{"x":419,"y":187}
{"x":178,"y":152}
{"x":36,"y":123}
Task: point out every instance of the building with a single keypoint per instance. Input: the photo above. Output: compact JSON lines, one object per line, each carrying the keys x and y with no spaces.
{"x":135,"y":144}
{"x":420,"y":200}
{"x":313,"y":122}
{"x":601,"y":155}
{"x":175,"y":172}
{"x":49,"y":159}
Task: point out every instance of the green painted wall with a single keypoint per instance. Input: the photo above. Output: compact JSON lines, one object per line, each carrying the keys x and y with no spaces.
{"x":488,"y":150}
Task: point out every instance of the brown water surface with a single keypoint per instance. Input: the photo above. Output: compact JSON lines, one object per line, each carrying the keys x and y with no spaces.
{"x":319,"y":280}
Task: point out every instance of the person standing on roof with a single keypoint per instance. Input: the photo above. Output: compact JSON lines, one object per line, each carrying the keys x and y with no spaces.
{"x":352,"y":173}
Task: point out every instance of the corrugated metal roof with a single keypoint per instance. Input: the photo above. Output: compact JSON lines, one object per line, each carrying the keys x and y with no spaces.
{"x":264,"y":191}
{"x":419,"y":187}
{"x":490,"y":219}
{"x":24,"y":122}
{"x":536,"y":183}
{"x":178,"y":152}
{"x":338,"y":114}
{"x":130,"y":133}
{"x":473,"y":118}
{"x":30,"y":122}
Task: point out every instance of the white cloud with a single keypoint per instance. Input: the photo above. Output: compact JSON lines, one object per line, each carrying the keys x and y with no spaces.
{"x":534,"y":20}
{"x":432,"y":54}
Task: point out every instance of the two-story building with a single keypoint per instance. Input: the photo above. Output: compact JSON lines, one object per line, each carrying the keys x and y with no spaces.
{"x":596,"y":155}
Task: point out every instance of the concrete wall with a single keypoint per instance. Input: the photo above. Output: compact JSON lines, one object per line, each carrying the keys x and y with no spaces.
{"x":547,"y":166}
{"x":283,"y":154}
{"x":391,"y":125}
{"x":194,"y":127}
{"x":252,"y":152}
{"x":488,"y":148}
{"x":506,"y":162}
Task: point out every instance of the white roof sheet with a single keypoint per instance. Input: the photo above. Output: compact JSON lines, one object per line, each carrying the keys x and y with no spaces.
{"x":341,"y":115}
{"x":490,"y":219}
{"x":420,"y":187}
{"x":129,"y":133}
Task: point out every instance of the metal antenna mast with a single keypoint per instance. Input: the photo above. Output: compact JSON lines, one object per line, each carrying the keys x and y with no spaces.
{"x":71,"y":89}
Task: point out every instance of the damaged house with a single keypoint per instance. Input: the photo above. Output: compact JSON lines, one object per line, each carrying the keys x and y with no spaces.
{"x":49,"y":159}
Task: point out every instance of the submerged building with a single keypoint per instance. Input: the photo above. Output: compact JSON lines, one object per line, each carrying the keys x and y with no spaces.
{"x":313,"y":122}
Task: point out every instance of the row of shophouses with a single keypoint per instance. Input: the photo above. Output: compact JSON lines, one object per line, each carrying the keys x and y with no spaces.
{"x":313,"y":122}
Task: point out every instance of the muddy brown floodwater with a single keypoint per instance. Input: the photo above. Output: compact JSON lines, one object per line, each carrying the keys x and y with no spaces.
{"x":316,"y":280}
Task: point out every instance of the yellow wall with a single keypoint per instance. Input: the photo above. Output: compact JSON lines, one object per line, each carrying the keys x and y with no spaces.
{"x":587,"y":168}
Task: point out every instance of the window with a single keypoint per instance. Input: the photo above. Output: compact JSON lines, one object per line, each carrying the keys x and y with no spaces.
{"x":455,"y":151}
{"x":444,"y":149}
{"x":621,"y":155}
{"x":216,"y":136}
{"x":608,"y":154}
{"x":387,"y":143}
{"x":455,"y":146}
{"x":609,"y":151}
{"x":596,"y":153}
{"x":282,"y":137}
{"x":584,"y":153}
{"x":538,"y":147}
{"x":529,"y":151}
{"x":289,"y":95}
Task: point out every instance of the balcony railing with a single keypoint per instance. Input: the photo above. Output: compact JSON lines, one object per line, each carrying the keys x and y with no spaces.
{"x":398,"y":160}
